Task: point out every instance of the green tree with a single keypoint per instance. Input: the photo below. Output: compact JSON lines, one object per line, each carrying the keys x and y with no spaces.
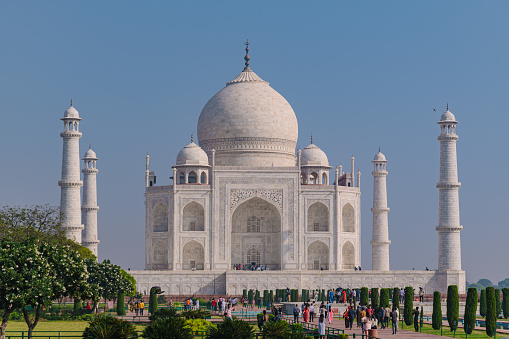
{"x":384,"y":297}
{"x":244,"y":293}
{"x":109,"y":327}
{"x":231,"y":329}
{"x":436,"y":319}
{"x":453,"y":306}
{"x":505,"y":302}
{"x":250,"y":296}
{"x":470,"y":310}
{"x":485,"y":282}
{"x":120,"y":304}
{"x":395,"y":297}
{"x":491,"y":309}
{"x":504,"y":283}
{"x":421,"y":318}
{"x":265,"y":297}
{"x":374,"y":298}
{"x":409,"y":305}
{"x":257,"y":296}
{"x":152,"y":301}
{"x":482,"y":303}
{"x":364,"y":296}
{"x":167,"y":328}
{"x":271,"y":296}
{"x":276,"y":330}
{"x":497,"y":299}
{"x":77,"y":306}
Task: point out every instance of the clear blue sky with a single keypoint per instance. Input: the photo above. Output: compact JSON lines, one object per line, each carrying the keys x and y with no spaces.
{"x":359,"y":75}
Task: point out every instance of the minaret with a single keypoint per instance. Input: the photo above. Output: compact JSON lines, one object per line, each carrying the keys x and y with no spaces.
{"x":147,"y":171}
{"x":449,"y":245}
{"x":90,"y":208}
{"x":380,"y":243}
{"x":352,"y":173}
{"x":70,"y":182}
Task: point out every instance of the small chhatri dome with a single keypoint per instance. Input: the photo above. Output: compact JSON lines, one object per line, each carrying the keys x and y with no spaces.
{"x":192,"y":154}
{"x":447,"y":116}
{"x":71,"y":112}
{"x":90,"y":154}
{"x":380,"y":156}
{"x":314,"y":156}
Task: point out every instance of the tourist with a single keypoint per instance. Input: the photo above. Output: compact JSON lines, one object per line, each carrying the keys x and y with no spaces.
{"x":369,"y":310}
{"x":321,"y":326}
{"x":312,"y":312}
{"x":394,"y":318}
{"x":305,"y":314}
{"x":381,"y":317}
{"x":229,"y":313}
{"x":252,"y":304}
{"x":213,"y":303}
{"x":401,"y":295}
{"x":197,"y":304}
{"x":351,"y":316}
{"x":137,"y":308}
{"x":345,"y":316}
{"x":89,"y":308}
{"x":354,"y":295}
{"x":316,"y":295}
{"x":264,"y":318}
{"x":358,"y":315}
{"x":142,"y":307}
{"x":387,"y":316}
{"x":421,"y":294}
{"x":416,"y":319}
{"x":170,"y":303}
{"x":260,"y":302}
{"x":366,"y":323}
{"x":330,"y":315}
{"x":296,"y":312}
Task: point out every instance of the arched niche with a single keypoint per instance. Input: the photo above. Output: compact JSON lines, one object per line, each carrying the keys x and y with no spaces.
{"x":318,"y":256}
{"x":348,"y":214}
{"x":318,"y":218}
{"x":193,"y":217}
{"x":348,"y":255}
{"x":160,"y":218}
{"x":160,"y":256}
{"x":203,"y":178}
{"x":193,"y":256}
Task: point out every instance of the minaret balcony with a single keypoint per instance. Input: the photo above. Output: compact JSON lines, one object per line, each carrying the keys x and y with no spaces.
{"x":70,"y":183}
{"x":70,"y":134}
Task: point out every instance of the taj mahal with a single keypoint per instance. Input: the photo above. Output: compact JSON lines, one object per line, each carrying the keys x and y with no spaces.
{"x":243,"y":196}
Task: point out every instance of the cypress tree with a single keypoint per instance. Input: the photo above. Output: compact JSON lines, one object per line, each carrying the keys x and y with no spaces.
{"x":470,"y":310}
{"x":120,"y":304}
{"x":422,"y":318}
{"x":505,"y":302}
{"x":152,"y":301}
{"x":409,"y":305}
{"x":436,"y":321}
{"x":374,"y":298}
{"x":395,"y":297}
{"x":323,"y":298}
{"x":482,"y":306}
{"x":257,"y":296}
{"x":364,"y":296}
{"x":453,"y":306}
{"x":250,"y":296}
{"x":244,"y":293}
{"x":497,"y":299}
{"x":271,"y":296}
{"x":384,"y":297}
{"x":491,"y":309}
{"x":265,"y":298}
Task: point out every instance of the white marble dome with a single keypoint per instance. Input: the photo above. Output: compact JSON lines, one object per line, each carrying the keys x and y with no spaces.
{"x":192,"y":154}
{"x":71,"y":112}
{"x":90,"y":154}
{"x":448,"y":116}
{"x":314,"y":156}
{"x":380,"y":157}
{"x":249,"y":124}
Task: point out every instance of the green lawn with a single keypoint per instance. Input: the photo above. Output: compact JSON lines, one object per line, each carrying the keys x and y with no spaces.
{"x":460,"y":333}
{"x":52,"y":326}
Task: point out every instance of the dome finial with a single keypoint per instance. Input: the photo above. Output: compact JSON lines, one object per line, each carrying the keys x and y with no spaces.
{"x":192,"y":137}
{"x":311,"y":137}
{"x":71,"y":102}
{"x":447,"y":106}
{"x":247,"y":58}
{"x":89,"y":146}
{"x":378,"y":148}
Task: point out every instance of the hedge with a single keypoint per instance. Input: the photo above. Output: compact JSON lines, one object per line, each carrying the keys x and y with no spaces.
{"x":364,"y":296}
{"x":250,"y":296}
{"x":384,"y":297}
{"x":497,"y":299}
{"x":505,"y":302}
{"x":482,"y":306}
{"x":470,"y":310}
{"x":374,"y":298}
{"x":409,"y":305}
{"x":453,"y":306}
{"x":257,"y":296}
{"x":152,"y":301}
{"x":436,"y":319}
{"x":395,"y":297}
{"x":244,"y":293}
{"x":491,"y":309}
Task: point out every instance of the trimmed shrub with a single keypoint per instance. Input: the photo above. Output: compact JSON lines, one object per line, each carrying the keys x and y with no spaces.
{"x":482,"y":304}
{"x":364,"y":296}
{"x":257,"y":296}
{"x":103,"y":327}
{"x":120,"y":304}
{"x":265,"y":297}
{"x":276,"y":330}
{"x":152,"y":301}
{"x":374,"y":298}
{"x":271,"y":296}
{"x":167,"y":328}
{"x":421,"y":320}
{"x":231,"y":329}
{"x":384,"y":297}
{"x":195,"y":314}
{"x":497,"y":299}
{"x":395,"y":297}
{"x":322,"y":296}
{"x":470,"y":310}
{"x":163,"y":313}
{"x":453,"y":306}
{"x":409,"y":305}
{"x":505,"y":302}
{"x":161,"y":299}
{"x":491,"y":309}
{"x":250,"y":296}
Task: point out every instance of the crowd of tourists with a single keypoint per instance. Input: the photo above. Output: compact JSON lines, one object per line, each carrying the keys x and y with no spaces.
{"x":137,"y":307}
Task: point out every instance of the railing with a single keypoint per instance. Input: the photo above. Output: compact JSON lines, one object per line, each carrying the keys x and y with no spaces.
{"x":330,"y":332}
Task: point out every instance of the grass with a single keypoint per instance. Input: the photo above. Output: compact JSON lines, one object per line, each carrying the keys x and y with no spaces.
{"x":53,"y":326}
{"x":460,"y":333}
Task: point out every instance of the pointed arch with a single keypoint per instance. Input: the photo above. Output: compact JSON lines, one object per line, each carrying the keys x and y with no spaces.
{"x":318,"y":256}
{"x":318,"y":218}
{"x":193,"y":217}
{"x":192,"y":178}
{"x":160,"y":218}
{"x":348,"y":218}
{"x":193,"y":256}
{"x":314,"y":178}
{"x":160,"y":256}
{"x":182,"y":178}
{"x":325,"y":179}
{"x":348,"y":255}
{"x":203,"y":178}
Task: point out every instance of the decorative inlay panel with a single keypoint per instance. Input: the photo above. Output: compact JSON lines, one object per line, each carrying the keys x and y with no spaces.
{"x":239,"y":195}
{"x":310,"y":240}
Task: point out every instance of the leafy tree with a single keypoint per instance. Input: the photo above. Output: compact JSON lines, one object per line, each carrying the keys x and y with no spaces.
{"x":504,"y":283}
{"x":120,"y":304}
{"x":276,"y":329}
{"x":485,"y":282}
{"x":482,"y":303}
{"x":167,"y":328}
{"x":109,"y":327}
{"x":505,"y":302}
{"x":395,"y":297}
{"x":384,"y":297}
{"x":152,"y":301}
{"x":470,"y":310}
{"x":497,"y":300}
{"x":409,"y":305}
{"x":491,"y":309}
{"x":453,"y":306}
{"x":231,"y":329}
{"x":163,"y":313}
{"x":436,"y":319}
{"x":364,"y":296}
{"x":374,"y":298}
{"x":77,"y":305}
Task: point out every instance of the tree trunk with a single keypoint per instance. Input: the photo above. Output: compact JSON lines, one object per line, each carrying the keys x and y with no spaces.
{"x":5,"y":319}
{"x":31,"y":325}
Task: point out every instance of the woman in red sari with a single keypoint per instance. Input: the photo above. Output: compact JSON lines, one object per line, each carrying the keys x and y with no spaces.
{"x":306,"y":314}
